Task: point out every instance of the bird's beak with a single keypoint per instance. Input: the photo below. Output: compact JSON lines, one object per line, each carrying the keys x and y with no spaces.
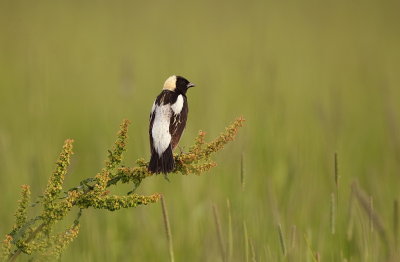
{"x":190,"y":85}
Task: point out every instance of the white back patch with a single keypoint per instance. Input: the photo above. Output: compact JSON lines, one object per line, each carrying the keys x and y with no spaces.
{"x":178,"y":105}
{"x":160,"y":130}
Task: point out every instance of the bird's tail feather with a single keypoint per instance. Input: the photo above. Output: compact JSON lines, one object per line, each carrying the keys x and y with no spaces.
{"x":163,"y":164}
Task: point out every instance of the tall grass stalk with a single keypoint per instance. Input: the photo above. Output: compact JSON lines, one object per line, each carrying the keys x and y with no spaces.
{"x":350,"y":219}
{"x":293,"y":238}
{"x":333,"y":213}
{"x":242,"y":174}
{"x":282,"y":240}
{"x":396,"y":222}
{"x":246,"y":242}
{"x":314,"y":255}
{"x":371,"y":210}
{"x":374,"y":218}
{"x":253,"y":251}
{"x":336,"y":172}
{"x":167,"y":229}
{"x":230,"y":231}
{"x":267,"y":253}
{"x":318,"y":257}
{"x":219,"y":233}
{"x":392,"y":121}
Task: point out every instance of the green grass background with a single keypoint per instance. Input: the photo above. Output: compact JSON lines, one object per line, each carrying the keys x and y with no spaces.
{"x":311,"y":77}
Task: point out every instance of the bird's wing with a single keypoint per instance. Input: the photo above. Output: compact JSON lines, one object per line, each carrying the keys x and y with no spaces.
{"x":152,"y":116}
{"x":178,"y":120}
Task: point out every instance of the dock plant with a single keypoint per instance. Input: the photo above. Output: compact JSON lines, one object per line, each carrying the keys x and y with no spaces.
{"x":36,"y":235}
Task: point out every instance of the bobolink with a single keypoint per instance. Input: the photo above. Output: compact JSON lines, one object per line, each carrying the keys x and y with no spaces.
{"x":167,"y":121}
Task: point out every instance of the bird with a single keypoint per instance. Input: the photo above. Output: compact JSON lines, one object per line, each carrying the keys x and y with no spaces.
{"x":167,"y":121}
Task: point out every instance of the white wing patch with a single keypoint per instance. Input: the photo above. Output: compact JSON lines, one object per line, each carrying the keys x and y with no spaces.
{"x":160,"y":130}
{"x":153,"y":107}
{"x":178,"y":105}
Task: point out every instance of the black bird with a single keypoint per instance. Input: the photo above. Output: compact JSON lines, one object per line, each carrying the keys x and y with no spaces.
{"x":167,"y":121}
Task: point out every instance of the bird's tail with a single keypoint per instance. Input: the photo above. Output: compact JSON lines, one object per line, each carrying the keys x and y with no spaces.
{"x":162,"y":164}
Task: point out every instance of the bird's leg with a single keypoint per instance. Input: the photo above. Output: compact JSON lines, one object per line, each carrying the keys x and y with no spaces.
{"x":180,"y":149}
{"x":166,"y":177}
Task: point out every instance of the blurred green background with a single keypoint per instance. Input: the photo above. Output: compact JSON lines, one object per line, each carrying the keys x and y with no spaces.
{"x":311,"y":77}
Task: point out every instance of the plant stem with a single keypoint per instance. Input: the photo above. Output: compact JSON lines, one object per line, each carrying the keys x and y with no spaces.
{"x":29,"y":239}
{"x":167,"y":229}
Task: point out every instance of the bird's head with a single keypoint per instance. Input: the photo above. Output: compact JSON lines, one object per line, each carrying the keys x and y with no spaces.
{"x":177,"y":84}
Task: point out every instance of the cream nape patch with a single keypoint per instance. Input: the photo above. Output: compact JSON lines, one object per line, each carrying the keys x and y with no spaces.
{"x":178,"y":105}
{"x":170,"y":83}
{"x":160,"y":130}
